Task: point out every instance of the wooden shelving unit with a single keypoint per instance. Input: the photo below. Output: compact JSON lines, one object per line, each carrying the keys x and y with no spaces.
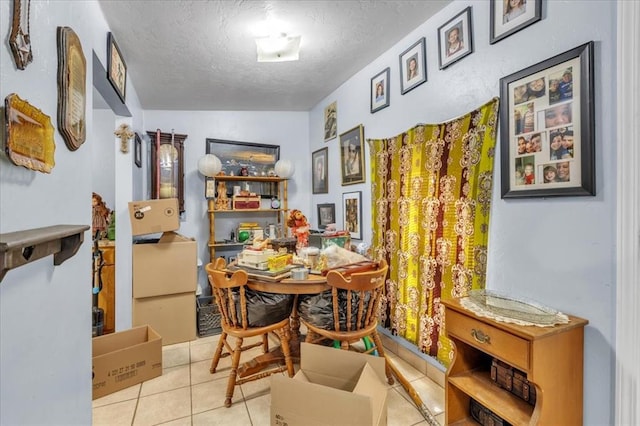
{"x":552,"y":358}
{"x":280,"y":213}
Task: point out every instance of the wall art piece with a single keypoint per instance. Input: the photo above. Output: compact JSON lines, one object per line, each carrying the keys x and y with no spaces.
{"x":19,"y":39}
{"x":547,"y":127}
{"x":455,"y":38}
{"x":352,"y":213}
{"x":510,"y":16}
{"x":72,"y":96}
{"x":137,"y":151}
{"x":330,"y":121}
{"x":413,"y":66}
{"x":326,"y":215}
{"x":352,"y":155}
{"x":116,"y":68}
{"x":380,"y":91}
{"x":319,"y":175}
{"x":29,"y":137}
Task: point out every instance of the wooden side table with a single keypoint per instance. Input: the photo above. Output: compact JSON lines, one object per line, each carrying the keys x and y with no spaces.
{"x":107,"y":296}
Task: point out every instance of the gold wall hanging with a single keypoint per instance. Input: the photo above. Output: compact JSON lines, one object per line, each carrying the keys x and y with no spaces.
{"x":29,"y":136}
{"x":72,"y":99}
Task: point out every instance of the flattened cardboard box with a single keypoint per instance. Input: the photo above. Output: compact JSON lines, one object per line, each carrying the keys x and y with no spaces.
{"x":154,"y":216}
{"x":125,"y":358}
{"x":333,"y":387}
{"x":165,"y":266}
{"x":173,"y":316}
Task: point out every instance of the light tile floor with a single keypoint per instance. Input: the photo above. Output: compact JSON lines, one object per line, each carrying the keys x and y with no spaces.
{"x":187,"y":394}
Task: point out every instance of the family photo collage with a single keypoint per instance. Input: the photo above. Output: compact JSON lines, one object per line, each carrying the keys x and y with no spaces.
{"x":545,"y":128}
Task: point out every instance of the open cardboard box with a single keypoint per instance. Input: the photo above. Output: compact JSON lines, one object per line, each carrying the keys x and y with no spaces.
{"x":333,"y":387}
{"x":125,"y":358}
{"x":154,"y":216}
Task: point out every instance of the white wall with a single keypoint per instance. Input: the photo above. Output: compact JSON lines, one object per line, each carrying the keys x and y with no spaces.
{"x":559,"y":251}
{"x":45,"y":310}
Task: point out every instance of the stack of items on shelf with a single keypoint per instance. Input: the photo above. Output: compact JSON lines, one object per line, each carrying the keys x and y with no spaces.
{"x":164,"y":271}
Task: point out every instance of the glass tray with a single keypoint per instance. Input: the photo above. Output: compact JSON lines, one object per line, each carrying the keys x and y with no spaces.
{"x":516,"y":308}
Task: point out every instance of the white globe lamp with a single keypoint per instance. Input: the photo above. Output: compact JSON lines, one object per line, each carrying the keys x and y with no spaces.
{"x":284,"y":168}
{"x":209,"y":165}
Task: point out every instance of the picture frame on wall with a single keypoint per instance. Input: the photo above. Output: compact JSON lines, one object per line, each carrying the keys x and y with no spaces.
{"x":331,"y":121}
{"x":413,"y":66}
{"x":326,"y":215}
{"x":547,"y":127}
{"x":319,"y":174}
{"x":352,"y":213}
{"x":380,"y":90}
{"x":455,"y":38}
{"x":352,"y":155}
{"x":509,"y":17}
{"x":137,"y":151}
{"x":116,"y":68}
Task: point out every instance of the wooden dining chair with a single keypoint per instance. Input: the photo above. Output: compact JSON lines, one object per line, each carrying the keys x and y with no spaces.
{"x":352,"y":313}
{"x":232,"y":297}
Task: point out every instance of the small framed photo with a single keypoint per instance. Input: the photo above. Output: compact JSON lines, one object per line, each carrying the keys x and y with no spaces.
{"x":116,"y":68}
{"x":510,"y":16}
{"x":455,"y":38}
{"x":326,"y":215}
{"x":137,"y":151}
{"x":352,"y":155}
{"x":380,"y":91}
{"x":352,"y":213}
{"x":320,"y":162}
{"x":330,"y":121}
{"x":547,"y":127}
{"x":413,"y":66}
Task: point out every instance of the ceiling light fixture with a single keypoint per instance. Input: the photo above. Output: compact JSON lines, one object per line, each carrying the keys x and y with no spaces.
{"x":278,"y":48}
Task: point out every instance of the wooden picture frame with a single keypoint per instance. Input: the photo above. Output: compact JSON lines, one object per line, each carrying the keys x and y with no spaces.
{"x":330,"y":121}
{"x":507,"y":19}
{"x":72,"y":88}
{"x":455,"y":38}
{"x":352,"y":155}
{"x":320,"y":171}
{"x":413,"y":66}
{"x":137,"y":151}
{"x":547,"y":127}
{"x":352,"y":213}
{"x":326,"y":215}
{"x":380,"y":94}
{"x":116,"y":68}
{"x":257,"y":159}
{"x":20,"y":39}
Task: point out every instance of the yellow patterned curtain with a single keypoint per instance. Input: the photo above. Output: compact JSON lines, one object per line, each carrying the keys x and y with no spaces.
{"x":431,"y":192}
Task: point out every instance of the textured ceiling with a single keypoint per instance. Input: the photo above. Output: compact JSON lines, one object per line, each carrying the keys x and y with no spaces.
{"x":201,"y":55}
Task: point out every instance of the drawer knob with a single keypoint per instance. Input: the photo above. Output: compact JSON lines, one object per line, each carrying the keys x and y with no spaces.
{"x":479,"y":336}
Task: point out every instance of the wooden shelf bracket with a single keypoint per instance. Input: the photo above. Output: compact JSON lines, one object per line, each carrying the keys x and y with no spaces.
{"x":22,"y":247}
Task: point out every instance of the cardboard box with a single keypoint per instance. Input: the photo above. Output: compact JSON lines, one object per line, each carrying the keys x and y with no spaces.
{"x":168,"y":265}
{"x":125,"y":358}
{"x":333,"y":387}
{"x":154,"y":216}
{"x":173,"y":316}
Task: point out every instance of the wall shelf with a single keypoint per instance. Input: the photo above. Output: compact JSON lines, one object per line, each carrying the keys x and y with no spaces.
{"x":22,"y":247}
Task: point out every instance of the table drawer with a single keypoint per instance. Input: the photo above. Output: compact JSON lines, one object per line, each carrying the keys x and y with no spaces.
{"x":511,"y":349}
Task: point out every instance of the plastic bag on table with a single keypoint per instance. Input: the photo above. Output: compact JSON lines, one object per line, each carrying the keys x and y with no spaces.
{"x":335,"y":256}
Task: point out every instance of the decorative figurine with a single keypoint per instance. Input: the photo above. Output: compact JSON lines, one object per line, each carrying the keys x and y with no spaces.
{"x":299,"y":227}
{"x":222,"y":202}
